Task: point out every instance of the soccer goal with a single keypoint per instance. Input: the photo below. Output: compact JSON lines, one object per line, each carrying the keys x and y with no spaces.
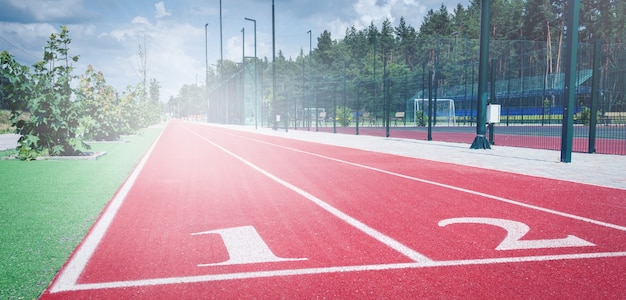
{"x":444,"y":115}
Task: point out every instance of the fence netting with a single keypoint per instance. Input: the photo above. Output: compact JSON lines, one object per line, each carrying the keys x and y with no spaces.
{"x":526,"y":79}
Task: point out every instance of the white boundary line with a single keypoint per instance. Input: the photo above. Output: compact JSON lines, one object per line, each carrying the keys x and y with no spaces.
{"x":67,"y":280}
{"x":71,"y":272}
{"x":326,"y":270}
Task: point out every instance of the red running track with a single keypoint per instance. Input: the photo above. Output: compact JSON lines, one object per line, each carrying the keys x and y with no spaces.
{"x":216,"y":213}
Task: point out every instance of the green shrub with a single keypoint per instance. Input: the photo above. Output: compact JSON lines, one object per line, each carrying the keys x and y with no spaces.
{"x":343,"y":115}
{"x":98,"y":107}
{"x":46,"y":95}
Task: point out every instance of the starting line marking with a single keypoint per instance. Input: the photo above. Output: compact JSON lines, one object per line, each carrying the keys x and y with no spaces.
{"x":68,"y":278}
{"x":326,"y":270}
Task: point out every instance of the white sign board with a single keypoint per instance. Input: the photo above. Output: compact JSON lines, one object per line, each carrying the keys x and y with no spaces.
{"x":493,"y":113}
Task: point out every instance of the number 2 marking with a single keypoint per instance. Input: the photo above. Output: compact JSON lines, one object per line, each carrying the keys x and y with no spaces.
{"x":515,"y":231}
{"x":244,"y":246}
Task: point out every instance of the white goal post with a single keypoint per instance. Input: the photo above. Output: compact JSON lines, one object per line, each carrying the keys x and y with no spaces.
{"x":445,"y":110}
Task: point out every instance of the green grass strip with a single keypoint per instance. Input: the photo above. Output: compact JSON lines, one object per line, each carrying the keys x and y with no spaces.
{"x":47,"y":207}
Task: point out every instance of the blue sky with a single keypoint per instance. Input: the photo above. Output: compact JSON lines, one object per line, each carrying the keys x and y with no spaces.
{"x":107,"y":33}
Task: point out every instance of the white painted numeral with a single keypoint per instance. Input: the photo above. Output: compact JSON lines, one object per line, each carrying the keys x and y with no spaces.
{"x":244,"y":246}
{"x":515,"y":231}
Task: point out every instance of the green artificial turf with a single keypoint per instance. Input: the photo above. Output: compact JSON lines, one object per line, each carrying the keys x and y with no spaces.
{"x":47,"y":207}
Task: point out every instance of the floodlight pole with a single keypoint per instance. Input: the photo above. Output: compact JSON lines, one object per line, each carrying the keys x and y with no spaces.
{"x":243,"y":74}
{"x":223,"y":102}
{"x":206,"y":69}
{"x":481,"y":142}
{"x":243,"y":47}
{"x":430,"y":105}
{"x":310,"y":79}
{"x":571,"y":55}
{"x":455,"y":60}
{"x":274,"y":92}
{"x":221,"y":40}
{"x":256,"y":106}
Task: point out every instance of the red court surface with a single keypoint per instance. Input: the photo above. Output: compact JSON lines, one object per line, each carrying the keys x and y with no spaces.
{"x":217,"y":213}
{"x":528,"y":137}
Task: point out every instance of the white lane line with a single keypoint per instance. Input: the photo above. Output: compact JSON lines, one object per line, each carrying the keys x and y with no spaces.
{"x":381,"y":237}
{"x":447,"y":186}
{"x":71,"y":272}
{"x":339,"y":269}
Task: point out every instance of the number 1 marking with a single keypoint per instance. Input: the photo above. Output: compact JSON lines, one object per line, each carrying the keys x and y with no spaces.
{"x":515,"y":231}
{"x":244,"y":246}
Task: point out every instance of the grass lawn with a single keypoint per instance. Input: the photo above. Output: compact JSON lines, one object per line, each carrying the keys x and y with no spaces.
{"x":47,"y":207}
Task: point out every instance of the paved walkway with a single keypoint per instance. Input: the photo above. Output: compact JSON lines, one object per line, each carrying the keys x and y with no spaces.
{"x":8,"y":141}
{"x":595,"y":169}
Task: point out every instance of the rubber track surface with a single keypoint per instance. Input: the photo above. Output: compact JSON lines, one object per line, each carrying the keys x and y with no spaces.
{"x":341,"y":223}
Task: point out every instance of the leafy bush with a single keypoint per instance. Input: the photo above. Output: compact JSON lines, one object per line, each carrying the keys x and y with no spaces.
{"x":46,"y":95}
{"x":419,"y":118}
{"x":98,"y":107}
{"x":50,"y":122}
{"x":343,"y":115}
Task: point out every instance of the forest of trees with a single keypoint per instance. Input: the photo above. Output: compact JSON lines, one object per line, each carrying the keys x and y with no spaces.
{"x":379,"y":67}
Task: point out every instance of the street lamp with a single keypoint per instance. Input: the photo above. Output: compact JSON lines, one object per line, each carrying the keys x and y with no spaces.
{"x":221,"y":42}
{"x":256,"y":107}
{"x":310,"y":80}
{"x":243,"y":47}
{"x":455,"y":60}
{"x":243,"y":73}
{"x":206,"y":69}
{"x":223,"y":104}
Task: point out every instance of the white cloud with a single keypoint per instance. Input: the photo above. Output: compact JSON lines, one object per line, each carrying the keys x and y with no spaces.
{"x":233,"y":49}
{"x":140,"y":20}
{"x":161,"y":11}
{"x":171,"y":50}
{"x":369,"y":10}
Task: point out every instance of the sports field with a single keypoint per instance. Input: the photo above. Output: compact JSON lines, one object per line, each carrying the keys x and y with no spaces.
{"x":218,"y":213}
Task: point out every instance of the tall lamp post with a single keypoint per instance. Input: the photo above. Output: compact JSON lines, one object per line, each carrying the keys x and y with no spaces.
{"x":310,"y":80}
{"x":256,"y":107}
{"x":223,"y":103}
{"x":274,"y":91}
{"x":480,"y":141}
{"x":571,"y":54}
{"x":221,"y":40}
{"x":206,"y":69}
{"x":243,"y":75}
{"x":456,"y":82}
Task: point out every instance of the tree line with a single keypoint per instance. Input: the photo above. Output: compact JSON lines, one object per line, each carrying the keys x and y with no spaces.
{"x":527,"y":40}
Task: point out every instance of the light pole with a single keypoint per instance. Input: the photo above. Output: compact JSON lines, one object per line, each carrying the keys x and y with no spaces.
{"x":221,"y":41}
{"x":455,"y":60}
{"x":310,"y":80}
{"x":223,"y":103}
{"x":243,"y":47}
{"x":274,"y":100}
{"x":243,"y":74}
{"x":206,"y":69}
{"x":480,"y":141}
{"x":256,"y":107}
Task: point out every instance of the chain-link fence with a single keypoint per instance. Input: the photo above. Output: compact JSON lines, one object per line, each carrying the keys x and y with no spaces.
{"x":526,"y":79}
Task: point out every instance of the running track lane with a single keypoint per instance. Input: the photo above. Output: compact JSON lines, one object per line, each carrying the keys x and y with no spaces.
{"x":341,"y":223}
